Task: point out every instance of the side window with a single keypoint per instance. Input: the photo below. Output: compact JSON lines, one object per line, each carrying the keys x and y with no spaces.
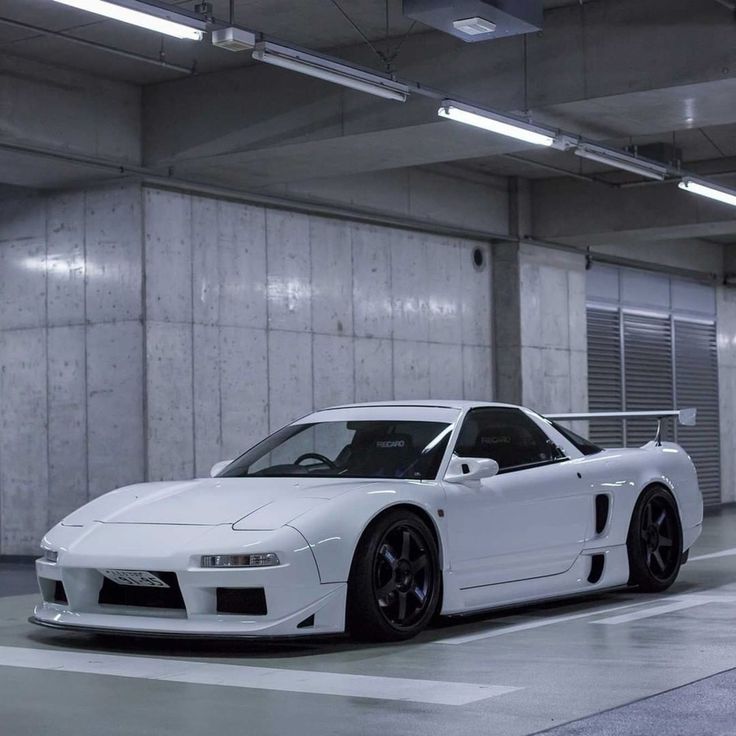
{"x":507,"y":435}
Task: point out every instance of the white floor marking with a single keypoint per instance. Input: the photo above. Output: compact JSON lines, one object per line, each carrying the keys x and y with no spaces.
{"x":652,"y":611}
{"x":723,"y":553}
{"x":655,"y":607}
{"x":676,"y":603}
{"x":261,"y":678}
{"x":513,"y":628}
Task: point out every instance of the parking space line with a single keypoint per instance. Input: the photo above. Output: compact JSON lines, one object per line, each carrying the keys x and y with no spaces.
{"x":713,"y":555}
{"x":674,"y":603}
{"x":514,"y":628}
{"x":261,"y":678}
{"x":677,"y":605}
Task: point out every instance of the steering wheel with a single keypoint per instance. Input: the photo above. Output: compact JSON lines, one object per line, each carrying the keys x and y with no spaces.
{"x":315,"y":456}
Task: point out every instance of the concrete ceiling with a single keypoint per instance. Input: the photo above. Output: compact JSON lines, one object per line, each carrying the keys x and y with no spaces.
{"x":624,"y":72}
{"x":316,"y":24}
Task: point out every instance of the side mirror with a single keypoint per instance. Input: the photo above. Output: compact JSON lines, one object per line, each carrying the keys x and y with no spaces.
{"x":463,"y":469}
{"x":217,"y":468}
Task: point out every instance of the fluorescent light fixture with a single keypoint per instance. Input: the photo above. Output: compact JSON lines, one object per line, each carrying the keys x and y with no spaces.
{"x":712,"y":191}
{"x":330,"y":71}
{"x":622,"y":160}
{"x":496,"y":123}
{"x":145,"y":15}
{"x":474,"y":26}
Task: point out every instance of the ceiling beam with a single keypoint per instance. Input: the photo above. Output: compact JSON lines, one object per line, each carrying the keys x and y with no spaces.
{"x":581,"y":214}
{"x":605,"y":71}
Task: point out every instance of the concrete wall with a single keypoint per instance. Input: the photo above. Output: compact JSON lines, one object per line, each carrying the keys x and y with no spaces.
{"x":552,"y":336}
{"x":148,"y":334}
{"x":71,"y":356}
{"x":541,"y":339}
{"x":554,"y":353}
{"x":256,"y":316}
{"x":456,"y":199}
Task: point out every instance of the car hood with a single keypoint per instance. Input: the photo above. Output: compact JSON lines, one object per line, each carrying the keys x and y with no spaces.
{"x":246,"y":503}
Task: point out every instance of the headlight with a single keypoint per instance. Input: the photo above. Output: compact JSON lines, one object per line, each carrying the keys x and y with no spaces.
{"x":50,"y":555}
{"x":263,"y":559}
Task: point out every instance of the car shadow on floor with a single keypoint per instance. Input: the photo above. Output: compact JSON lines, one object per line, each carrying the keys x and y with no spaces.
{"x":280,"y":648}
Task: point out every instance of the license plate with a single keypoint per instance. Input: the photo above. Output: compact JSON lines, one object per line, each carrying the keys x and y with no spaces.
{"x":134,"y":577}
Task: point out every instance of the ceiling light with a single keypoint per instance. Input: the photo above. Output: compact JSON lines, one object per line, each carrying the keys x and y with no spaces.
{"x":496,"y":123}
{"x":704,"y":189}
{"x":330,"y":71}
{"x":622,"y":160}
{"x":474,"y":26}
{"x":146,"y":15}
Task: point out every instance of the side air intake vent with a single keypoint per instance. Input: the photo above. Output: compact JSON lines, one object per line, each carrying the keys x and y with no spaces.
{"x":596,"y":568}
{"x":602,"y":506}
{"x":307,"y":623}
{"x":60,"y":593}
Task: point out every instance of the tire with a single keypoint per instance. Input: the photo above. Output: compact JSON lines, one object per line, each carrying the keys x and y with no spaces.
{"x":654,"y":542}
{"x":394,"y":584}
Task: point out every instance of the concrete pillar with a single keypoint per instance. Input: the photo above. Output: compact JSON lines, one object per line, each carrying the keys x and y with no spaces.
{"x":507,"y":323}
{"x":538,"y":318}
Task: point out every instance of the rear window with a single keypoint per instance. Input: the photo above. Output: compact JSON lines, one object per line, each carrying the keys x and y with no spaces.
{"x":585,"y":446}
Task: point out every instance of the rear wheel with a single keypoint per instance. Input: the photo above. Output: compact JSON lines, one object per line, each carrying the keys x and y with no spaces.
{"x":655,"y":541}
{"x":394,"y":583}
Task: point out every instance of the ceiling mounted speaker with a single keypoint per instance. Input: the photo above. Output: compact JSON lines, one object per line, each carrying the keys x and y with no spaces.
{"x":478,"y":20}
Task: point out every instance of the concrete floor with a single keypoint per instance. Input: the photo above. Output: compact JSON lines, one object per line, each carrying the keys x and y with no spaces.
{"x":576,"y":666}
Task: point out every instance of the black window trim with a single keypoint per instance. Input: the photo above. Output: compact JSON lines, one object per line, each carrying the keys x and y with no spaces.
{"x":531,"y":466}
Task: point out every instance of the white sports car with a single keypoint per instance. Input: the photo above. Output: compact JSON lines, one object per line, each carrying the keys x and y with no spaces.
{"x":372,"y":519}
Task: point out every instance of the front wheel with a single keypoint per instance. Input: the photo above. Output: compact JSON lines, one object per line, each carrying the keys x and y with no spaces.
{"x":655,"y":541}
{"x":394,"y":584}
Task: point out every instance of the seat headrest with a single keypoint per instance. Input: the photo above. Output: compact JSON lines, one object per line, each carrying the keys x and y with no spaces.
{"x":394,"y":442}
{"x":499,"y":437}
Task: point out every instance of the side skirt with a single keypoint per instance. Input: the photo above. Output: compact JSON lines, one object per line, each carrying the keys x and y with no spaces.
{"x":573,"y":582}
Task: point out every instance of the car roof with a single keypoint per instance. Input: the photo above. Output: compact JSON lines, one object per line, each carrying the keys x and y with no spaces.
{"x":460,"y":404}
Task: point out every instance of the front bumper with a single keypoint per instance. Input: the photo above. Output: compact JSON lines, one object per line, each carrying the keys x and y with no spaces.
{"x":297,"y":603}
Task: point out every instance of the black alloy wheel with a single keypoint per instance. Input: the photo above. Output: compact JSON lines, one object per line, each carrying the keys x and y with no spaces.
{"x":655,"y":541}
{"x":393,"y":590}
{"x":402,"y":577}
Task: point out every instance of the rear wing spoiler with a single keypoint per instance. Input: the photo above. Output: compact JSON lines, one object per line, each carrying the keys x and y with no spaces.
{"x":686,"y":417}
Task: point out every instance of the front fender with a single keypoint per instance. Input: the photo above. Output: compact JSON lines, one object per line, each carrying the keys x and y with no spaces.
{"x":333,"y":529}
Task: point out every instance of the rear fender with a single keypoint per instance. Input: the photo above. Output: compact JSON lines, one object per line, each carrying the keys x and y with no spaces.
{"x":624,"y":474}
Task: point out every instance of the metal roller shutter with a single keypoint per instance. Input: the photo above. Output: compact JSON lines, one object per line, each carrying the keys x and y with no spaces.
{"x":605,"y":390}
{"x":642,"y":361}
{"x":647,"y":374}
{"x":696,"y":384}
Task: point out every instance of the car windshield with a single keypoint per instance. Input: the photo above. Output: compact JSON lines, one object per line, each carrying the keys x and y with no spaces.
{"x":353,"y":449}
